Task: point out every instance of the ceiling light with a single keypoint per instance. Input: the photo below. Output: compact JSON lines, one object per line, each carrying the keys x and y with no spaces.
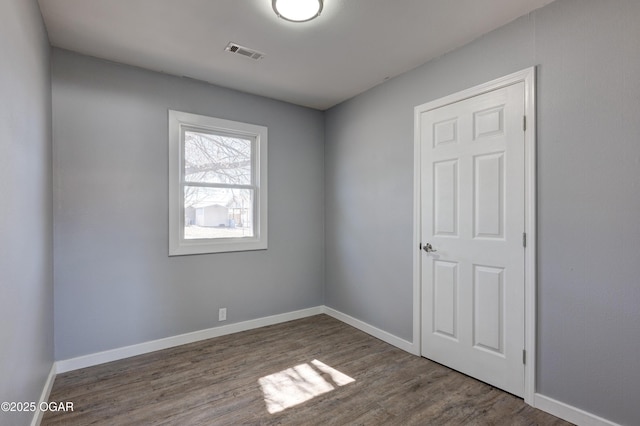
{"x":297,"y":10}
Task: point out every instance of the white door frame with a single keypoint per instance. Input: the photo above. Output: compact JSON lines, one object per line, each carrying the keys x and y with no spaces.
{"x":527,"y":76}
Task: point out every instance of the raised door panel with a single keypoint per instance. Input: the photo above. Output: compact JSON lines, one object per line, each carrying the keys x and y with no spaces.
{"x":445,"y":132}
{"x":488,"y":122}
{"x":445,"y":299}
{"x":445,"y":202}
{"x":488,"y":193}
{"x":488,"y":309}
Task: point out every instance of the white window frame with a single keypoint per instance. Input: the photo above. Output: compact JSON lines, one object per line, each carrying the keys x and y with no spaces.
{"x":178,"y":245}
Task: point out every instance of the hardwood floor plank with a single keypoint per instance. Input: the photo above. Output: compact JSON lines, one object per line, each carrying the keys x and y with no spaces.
{"x":218,"y":382}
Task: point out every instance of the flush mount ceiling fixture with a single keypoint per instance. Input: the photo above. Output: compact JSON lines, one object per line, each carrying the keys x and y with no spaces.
{"x":297,"y":10}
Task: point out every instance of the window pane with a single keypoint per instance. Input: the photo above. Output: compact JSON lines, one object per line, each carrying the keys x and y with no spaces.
{"x":217,"y":213}
{"x":215,"y":158}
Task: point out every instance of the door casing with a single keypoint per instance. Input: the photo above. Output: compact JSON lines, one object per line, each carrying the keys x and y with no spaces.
{"x":527,"y":76}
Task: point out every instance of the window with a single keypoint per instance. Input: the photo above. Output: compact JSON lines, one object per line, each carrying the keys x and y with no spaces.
{"x":217,"y":185}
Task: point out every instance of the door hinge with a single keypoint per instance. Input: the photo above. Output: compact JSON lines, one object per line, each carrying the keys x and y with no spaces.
{"x":524,"y":239}
{"x":524,"y":123}
{"x":524,"y":356}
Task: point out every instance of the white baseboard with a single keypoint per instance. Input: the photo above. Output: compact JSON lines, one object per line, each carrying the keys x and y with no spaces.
{"x":44,"y":397}
{"x":544,"y":403}
{"x":405,"y":345}
{"x":568,"y":412}
{"x":182,"y":339}
{"x":90,"y":360}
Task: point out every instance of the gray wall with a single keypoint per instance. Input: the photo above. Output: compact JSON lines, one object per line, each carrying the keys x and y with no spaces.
{"x":115,"y":285}
{"x":588,"y":196}
{"x":26,"y":276}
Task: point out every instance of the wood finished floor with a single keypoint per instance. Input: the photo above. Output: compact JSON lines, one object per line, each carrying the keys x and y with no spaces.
{"x":216,"y":382}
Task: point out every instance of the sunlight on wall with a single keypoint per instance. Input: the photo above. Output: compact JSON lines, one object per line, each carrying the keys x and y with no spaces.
{"x":301,"y":383}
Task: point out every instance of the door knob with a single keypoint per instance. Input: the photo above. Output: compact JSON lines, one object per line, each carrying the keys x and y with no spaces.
{"x":428,"y":248}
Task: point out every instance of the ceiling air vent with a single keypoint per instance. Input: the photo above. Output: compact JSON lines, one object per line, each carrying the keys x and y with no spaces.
{"x":244,"y":51}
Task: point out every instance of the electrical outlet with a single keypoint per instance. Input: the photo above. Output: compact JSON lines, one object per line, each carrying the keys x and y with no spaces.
{"x":222,"y":314}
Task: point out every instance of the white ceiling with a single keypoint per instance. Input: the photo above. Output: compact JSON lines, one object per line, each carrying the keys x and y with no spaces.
{"x":353,"y":46}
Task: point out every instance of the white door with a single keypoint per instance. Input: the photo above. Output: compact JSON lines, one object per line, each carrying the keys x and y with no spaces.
{"x":472,"y":224}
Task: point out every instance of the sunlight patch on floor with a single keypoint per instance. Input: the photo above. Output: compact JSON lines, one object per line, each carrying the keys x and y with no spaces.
{"x":298,"y":384}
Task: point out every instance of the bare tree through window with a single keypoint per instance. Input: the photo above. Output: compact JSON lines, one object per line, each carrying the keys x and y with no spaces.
{"x":218,"y":193}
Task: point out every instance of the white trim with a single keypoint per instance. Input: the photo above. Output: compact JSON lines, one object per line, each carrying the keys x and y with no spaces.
{"x":526,"y":76}
{"x":544,"y":403}
{"x":178,"y":245}
{"x":182,"y":339}
{"x":569,"y":413}
{"x":371,"y":330}
{"x":417,"y":232}
{"x":44,"y":397}
{"x":530,"y":279}
{"x":98,"y":358}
